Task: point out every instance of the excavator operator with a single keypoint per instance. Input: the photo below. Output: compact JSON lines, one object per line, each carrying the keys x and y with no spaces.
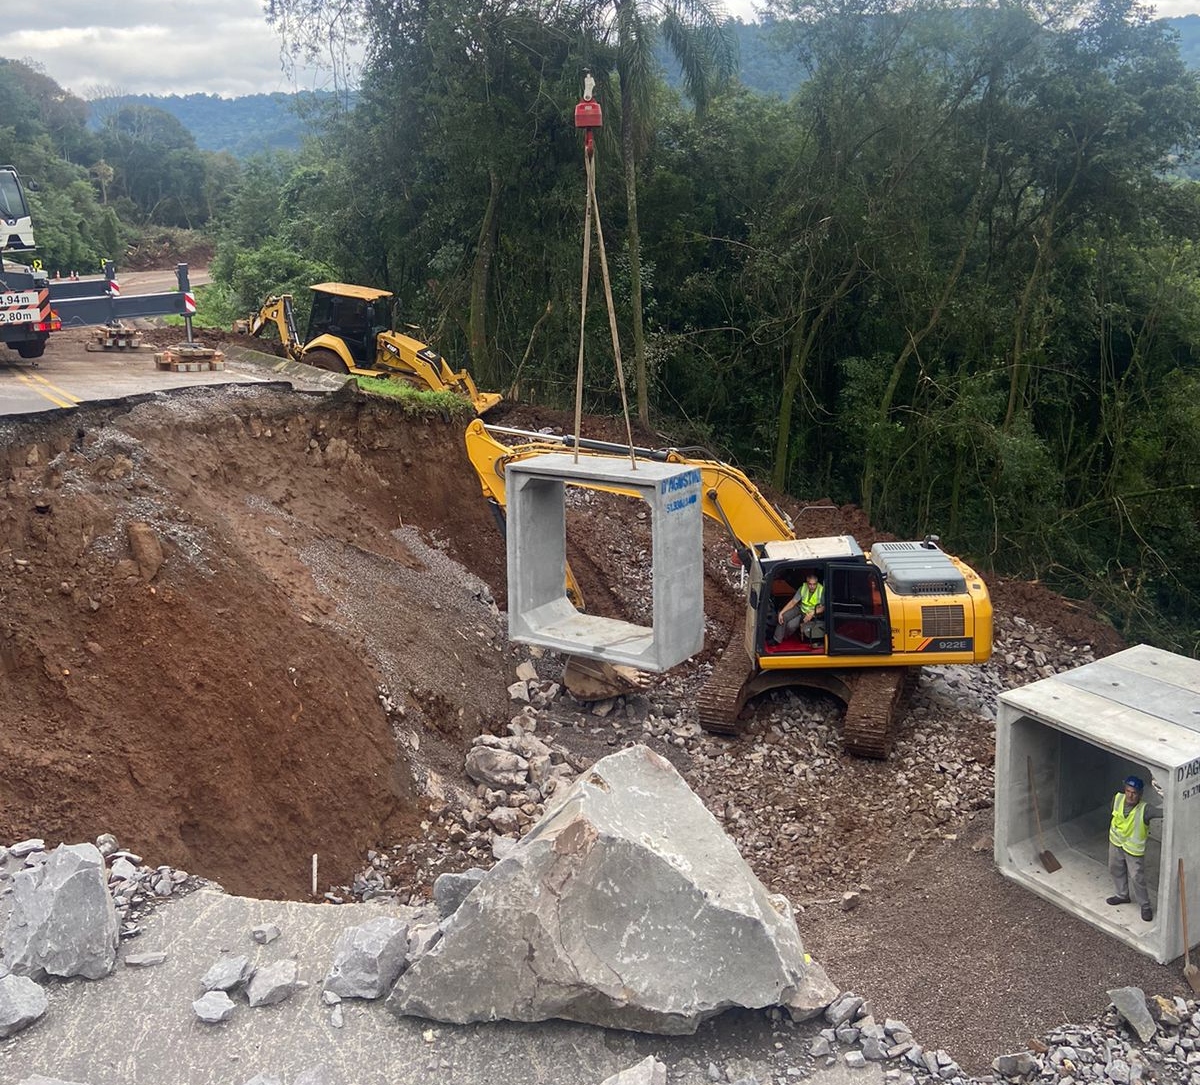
{"x":805,"y":606}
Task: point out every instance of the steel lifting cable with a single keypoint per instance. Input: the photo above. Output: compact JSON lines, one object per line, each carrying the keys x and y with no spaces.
{"x":588,"y":117}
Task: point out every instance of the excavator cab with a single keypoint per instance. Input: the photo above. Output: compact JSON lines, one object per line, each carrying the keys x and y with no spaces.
{"x":855,"y":620}
{"x":353,"y":314}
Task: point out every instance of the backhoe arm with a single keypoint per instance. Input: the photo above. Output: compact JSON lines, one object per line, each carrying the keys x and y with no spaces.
{"x":277,"y":312}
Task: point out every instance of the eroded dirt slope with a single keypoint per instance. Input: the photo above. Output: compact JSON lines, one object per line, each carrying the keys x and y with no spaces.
{"x":225,"y":713}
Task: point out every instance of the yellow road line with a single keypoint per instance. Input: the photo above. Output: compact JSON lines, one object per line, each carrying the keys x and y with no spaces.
{"x":55,"y":394}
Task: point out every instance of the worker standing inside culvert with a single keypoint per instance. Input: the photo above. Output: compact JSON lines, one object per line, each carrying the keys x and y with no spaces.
{"x":1127,"y":835}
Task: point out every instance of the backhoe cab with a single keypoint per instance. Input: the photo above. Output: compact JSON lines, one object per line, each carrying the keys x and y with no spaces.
{"x":349,"y":332}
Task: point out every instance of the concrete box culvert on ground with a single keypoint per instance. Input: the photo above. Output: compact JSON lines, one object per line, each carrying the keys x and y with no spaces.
{"x":538,"y":607}
{"x":1084,"y":731}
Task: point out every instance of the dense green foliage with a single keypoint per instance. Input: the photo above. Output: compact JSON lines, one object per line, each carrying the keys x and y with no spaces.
{"x":949,"y":277}
{"x":93,"y":191}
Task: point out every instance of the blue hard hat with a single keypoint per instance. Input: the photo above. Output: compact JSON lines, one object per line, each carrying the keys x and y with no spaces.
{"x":1135,"y":782}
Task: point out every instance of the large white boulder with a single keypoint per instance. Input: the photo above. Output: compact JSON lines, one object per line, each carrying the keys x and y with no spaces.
{"x":626,"y":906}
{"x":63,"y":921}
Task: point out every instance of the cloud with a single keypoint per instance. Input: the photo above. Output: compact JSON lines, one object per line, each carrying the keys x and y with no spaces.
{"x":220,"y":47}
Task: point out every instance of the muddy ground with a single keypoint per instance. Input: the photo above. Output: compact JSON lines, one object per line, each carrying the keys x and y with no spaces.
{"x":330,"y":581}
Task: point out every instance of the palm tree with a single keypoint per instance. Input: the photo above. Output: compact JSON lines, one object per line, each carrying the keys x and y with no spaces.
{"x":695,"y":33}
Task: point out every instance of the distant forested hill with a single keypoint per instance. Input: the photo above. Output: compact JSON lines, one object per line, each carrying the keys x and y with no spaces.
{"x":770,"y":67}
{"x":264,"y":122}
{"x":242,"y":126}
{"x":1188,"y":28}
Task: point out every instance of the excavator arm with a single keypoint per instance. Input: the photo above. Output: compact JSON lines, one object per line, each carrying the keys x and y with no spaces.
{"x":727,"y":495}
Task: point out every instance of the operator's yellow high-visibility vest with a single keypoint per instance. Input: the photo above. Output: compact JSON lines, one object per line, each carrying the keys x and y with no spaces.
{"x":1128,"y":829}
{"x":810,"y":598}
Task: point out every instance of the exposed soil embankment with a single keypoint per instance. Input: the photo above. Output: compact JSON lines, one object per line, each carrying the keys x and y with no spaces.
{"x":224,"y":710}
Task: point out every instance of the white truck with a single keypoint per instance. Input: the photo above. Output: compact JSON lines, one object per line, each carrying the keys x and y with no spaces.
{"x":32,"y":306}
{"x":26,"y":316}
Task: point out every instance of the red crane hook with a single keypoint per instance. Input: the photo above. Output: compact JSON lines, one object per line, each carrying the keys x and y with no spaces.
{"x":588,"y":114}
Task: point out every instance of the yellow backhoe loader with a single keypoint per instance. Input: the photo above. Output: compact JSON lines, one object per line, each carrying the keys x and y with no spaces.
{"x":887,"y":611}
{"x":348,"y":332}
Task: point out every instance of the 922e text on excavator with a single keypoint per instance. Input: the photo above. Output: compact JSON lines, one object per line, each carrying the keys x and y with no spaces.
{"x":349,"y":332}
{"x":888,"y":610}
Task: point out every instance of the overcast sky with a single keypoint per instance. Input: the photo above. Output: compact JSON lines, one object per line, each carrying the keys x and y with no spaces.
{"x":220,"y":47}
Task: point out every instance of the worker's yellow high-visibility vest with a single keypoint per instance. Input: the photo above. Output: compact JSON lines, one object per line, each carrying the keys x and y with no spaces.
{"x":810,"y":598}
{"x":1128,"y":829}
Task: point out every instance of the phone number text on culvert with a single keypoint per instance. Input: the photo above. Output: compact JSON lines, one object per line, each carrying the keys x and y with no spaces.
{"x":18,"y":316}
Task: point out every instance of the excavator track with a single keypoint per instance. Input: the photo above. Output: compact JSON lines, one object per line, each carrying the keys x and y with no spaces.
{"x":723,"y":695}
{"x":875,"y":699}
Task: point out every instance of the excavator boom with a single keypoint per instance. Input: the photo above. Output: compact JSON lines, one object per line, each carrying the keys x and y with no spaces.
{"x":727,"y":495}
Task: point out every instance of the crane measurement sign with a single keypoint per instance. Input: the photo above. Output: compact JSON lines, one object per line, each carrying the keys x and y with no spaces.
{"x":18,"y":306}
{"x":18,"y":298}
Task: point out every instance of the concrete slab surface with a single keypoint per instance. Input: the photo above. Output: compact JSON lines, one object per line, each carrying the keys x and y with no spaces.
{"x":69,"y":375}
{"x":137,"y":1027}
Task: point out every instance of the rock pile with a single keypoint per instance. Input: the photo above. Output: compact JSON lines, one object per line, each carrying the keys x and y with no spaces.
{"x":137,"y":888}
{"x":1160,"y":1044}
{"x":514,"y":774}
{"x":66,"y":909}
{"x":63,"y":922}
{"x":855,"y":1034}
{"x":1136,"y":1040}
{"x":262,"y":985}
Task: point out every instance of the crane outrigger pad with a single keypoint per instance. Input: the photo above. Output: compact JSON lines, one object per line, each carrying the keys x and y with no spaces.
{"x":540,"y":611}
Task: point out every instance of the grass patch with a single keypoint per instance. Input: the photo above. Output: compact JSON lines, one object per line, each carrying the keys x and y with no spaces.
{"x":415,"y":401}
{"x":215,"y":308}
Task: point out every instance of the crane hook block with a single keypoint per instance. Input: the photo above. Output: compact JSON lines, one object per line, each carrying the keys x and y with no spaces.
{"x":588,"y":114}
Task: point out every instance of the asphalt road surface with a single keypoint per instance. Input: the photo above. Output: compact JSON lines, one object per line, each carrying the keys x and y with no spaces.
{"x":69,"y":374}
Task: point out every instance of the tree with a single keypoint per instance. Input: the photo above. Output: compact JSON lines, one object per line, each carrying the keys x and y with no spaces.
{"x":104,"y":174}
{"x":698,"y":39}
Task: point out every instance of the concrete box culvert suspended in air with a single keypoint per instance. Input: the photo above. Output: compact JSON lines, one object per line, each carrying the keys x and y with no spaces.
{"x":539,"y":611}
{"x":1084,"y":731}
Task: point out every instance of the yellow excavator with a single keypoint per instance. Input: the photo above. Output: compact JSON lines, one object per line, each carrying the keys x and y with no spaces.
{"x":348,"y":332}
{"x":888,"y":610}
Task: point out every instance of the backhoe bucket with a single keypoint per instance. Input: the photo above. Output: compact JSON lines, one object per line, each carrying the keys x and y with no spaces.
{"x":485,"y":401}
{"x":481,"y":401}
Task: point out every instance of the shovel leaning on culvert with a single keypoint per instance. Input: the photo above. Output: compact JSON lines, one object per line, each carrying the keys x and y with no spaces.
{"x":1190,"y":972}
{"x":1045,"y":855}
